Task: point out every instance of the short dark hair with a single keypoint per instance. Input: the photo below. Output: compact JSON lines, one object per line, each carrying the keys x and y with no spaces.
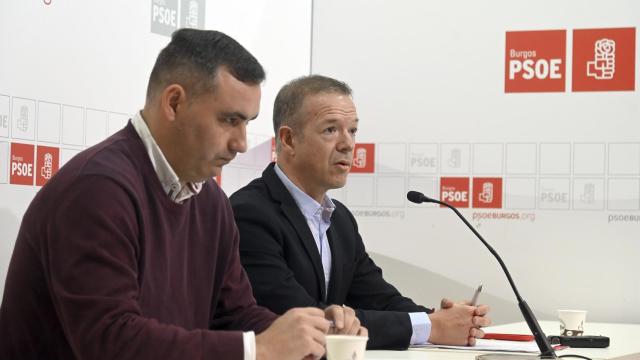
{"x":290,"y":98}
{"x":193,"y":58}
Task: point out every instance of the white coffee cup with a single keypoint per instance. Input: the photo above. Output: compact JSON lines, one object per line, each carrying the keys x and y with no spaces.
{"x":346,"y":347}
{"x":572,"y":322}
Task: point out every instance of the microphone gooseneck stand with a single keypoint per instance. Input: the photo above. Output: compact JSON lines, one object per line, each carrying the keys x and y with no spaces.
{"x":546,"y":351}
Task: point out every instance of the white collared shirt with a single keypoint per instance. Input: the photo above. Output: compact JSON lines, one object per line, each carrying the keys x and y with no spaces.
{"x":179,"y":191}
{"x":318,"y":219}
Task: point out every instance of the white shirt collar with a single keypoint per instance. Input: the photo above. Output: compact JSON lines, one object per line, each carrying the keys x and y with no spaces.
{"x":307,"y":205}
{"x":177,"y":190}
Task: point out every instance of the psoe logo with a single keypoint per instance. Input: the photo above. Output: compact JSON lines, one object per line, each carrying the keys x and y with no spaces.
{"x":487,"y":193}
{"x":455,"y":191}
{"x":167,"y":16}
{"x":604,"y":59}
{"x":363,"y":158}
{"x":48,"y":161}
{"x":603,"y":65}
{"x":192,"y":14}
{"x":164,"y":16}
{"x":535,"y":61}
{"x":21,"y":164}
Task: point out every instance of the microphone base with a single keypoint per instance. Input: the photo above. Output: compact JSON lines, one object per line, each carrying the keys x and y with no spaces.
{"x":513,"y":356}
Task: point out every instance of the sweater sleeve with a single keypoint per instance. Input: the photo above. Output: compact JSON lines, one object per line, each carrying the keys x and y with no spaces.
{"x":90,"y":258}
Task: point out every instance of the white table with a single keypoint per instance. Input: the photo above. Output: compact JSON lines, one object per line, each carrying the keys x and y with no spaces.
{"x":625,"y":343}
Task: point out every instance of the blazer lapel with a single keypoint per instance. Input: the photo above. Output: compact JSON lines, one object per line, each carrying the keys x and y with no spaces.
{"x":291,"y":211}
{"x":335,"y":283}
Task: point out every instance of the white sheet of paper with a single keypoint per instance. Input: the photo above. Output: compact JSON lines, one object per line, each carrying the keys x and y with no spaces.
{"x":491,"y":345}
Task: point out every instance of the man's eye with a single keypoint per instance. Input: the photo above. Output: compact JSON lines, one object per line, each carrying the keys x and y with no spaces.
{"x":330,"y":130}
{"x":353,"y":131}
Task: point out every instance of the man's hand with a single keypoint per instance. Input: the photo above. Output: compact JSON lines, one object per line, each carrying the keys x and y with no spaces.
{"x":479,"y":320}
{"x":458,"y":323}
{"x":297,"y":334}
{"x":344,"y":320}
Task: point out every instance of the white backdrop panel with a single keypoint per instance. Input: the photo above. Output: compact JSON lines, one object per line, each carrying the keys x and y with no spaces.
{"x":432,"y":72}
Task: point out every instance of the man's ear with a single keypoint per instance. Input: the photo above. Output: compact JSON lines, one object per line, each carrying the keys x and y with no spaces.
{"x":285,"y":136}
{"x":173,"y":97}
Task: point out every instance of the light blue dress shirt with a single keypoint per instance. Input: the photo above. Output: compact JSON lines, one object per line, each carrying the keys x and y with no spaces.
{"x":318,"y":218}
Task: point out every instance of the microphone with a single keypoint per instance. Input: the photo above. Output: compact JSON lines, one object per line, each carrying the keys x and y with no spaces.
{"x":546,"y":351}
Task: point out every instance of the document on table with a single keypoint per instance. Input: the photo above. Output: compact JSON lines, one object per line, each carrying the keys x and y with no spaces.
{"x":490,"y":345}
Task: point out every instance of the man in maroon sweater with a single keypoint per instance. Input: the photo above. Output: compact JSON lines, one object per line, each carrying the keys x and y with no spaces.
{"x":131,"y":250}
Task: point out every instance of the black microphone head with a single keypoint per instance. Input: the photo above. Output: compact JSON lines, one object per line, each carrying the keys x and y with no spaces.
{"x":415,"y":197}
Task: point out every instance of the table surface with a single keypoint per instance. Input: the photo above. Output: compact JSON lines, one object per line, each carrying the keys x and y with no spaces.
{"x":624,"y":338}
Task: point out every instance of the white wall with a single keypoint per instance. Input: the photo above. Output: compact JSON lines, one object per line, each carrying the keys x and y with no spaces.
{"x":423,"y":72}
{"x":428,"y":77}
{"x":81,"y":69}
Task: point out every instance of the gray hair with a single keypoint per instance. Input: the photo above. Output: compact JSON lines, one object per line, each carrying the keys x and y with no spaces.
{"x":286,"y":108}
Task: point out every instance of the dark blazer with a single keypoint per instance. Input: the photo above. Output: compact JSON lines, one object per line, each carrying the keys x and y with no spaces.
{"x":282,"y":260}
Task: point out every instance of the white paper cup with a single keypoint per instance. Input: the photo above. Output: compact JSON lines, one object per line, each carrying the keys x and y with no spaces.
{"x":346,"y":347}
{"x":572,"y":322}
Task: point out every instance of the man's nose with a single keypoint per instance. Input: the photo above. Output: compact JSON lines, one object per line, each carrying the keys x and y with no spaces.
{"x":238,"y":140}
{"x":347,"y":141}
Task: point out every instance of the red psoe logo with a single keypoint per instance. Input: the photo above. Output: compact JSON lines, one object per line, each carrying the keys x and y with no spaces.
{"x":535,"y":61}
{"x":455,"y":191}
{"x":48,"y":161}
{"x":363,"y":159}
{"x":604,"y":59}
{"x":21,"y":164}
{"x":487,"y":193}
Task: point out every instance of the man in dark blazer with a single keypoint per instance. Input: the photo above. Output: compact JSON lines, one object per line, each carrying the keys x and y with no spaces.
{"x":301,"y":248}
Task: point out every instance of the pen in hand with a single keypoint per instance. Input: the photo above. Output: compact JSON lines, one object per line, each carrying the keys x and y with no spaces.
{"x":474,"y":299}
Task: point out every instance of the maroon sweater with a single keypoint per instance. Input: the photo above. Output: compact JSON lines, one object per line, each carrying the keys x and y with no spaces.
{"x":106,"y":266}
